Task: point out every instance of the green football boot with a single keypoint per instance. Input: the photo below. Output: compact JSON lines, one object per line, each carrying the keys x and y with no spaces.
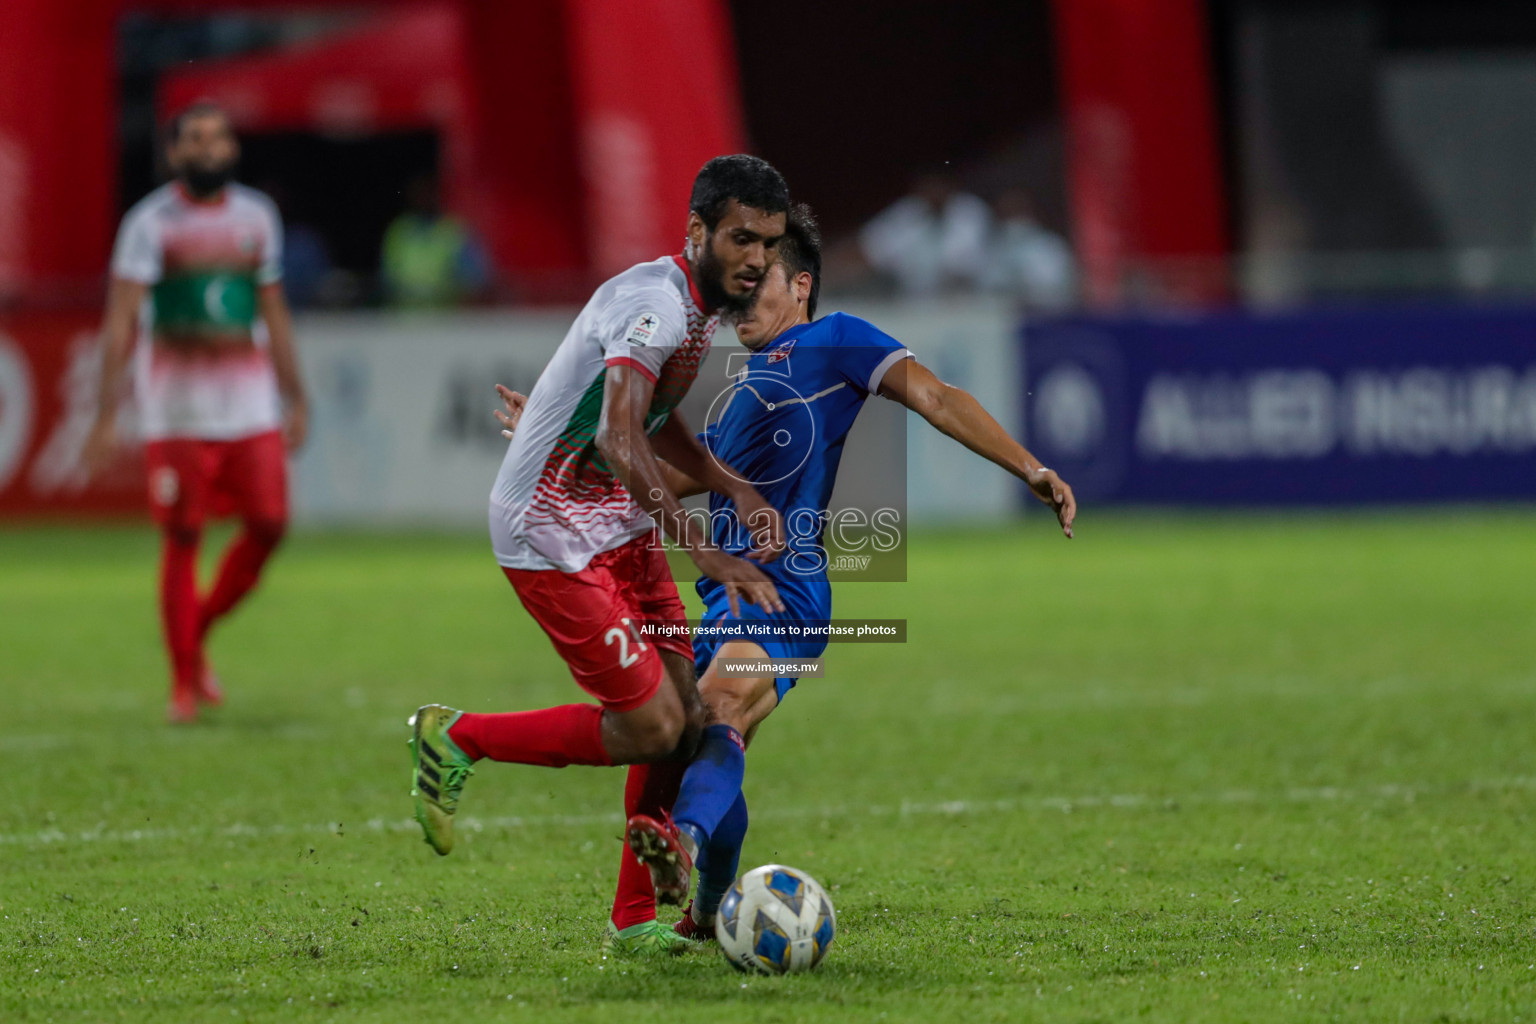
{"x":651,"y":938}
{"x":438,"y":771}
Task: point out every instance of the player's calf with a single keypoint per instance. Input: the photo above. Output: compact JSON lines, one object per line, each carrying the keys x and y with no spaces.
{"x":652,"y":732}
{"x":680,"y":671}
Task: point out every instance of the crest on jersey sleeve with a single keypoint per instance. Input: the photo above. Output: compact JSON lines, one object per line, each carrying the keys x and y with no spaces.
{"x":642,"y":329}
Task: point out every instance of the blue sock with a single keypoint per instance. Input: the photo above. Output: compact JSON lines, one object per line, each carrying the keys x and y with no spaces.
{"x":718,"y":860}
{"x":711,"y":784}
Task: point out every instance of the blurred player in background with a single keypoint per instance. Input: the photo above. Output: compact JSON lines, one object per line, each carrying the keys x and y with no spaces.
{"x":571,"y":513}
{"x":196,"y":298}
{"x":806,"y":381}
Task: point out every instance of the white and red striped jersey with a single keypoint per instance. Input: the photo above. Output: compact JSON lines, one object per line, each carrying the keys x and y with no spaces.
{"x":203,"y":369}
{"x":556,"y":503}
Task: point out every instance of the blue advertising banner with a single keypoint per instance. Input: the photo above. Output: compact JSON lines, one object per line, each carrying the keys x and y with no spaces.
{"x":1319,"y":407}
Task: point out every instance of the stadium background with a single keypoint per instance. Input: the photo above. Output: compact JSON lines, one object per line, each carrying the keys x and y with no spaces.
{"x":1305,"y":330}
{"x":1250,"y":168}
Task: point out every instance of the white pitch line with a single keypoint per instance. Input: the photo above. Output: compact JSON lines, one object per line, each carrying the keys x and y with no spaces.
{"x":1064,"y":804}
{"x":31,"y":741}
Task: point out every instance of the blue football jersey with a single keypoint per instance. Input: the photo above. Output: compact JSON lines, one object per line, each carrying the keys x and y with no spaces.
{"x":781,"y":425}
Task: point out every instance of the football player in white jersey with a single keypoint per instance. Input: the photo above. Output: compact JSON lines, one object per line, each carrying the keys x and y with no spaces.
{"x":196,"y":301}
{"x":573,"y":512}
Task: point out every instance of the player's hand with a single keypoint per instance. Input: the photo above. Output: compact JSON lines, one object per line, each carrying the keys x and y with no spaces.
{"x":742,"y":579}
{"x":295,"y":424}
{"x":515,"y":403}
{"x":763,"y":522}
{"x":1053,"y":490}
{"x":101,"y":447}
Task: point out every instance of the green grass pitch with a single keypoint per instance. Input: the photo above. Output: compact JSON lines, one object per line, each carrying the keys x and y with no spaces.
{"x":1239,"y":768}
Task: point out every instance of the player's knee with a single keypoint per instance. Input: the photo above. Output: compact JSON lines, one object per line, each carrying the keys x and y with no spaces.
{"x":656,"y":737}
{"x":267,"y":530}
{"x":736,"y":702}
{"x":182,"y":535}
{"x":692,"y":732}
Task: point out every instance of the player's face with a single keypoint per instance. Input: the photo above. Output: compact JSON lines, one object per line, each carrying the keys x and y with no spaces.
{"x":732,"y":259}
{"x":205,"y":150}
{"x":778,"y":306}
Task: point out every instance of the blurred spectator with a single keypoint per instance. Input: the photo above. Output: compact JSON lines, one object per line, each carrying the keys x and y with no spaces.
{"x":934,"y":239}
{"x":1027,"y":259}
{"x":307,"y":265}
{"x":431,"y":258}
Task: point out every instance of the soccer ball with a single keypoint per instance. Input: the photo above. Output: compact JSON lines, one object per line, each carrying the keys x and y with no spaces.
{"x":775,"y":920}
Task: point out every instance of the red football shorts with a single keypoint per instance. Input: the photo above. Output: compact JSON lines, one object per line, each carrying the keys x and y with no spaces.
{"x":192,"y":480}
{"x":595,"y":617}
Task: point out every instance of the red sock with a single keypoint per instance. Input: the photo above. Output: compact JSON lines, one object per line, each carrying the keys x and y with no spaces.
{"x":239,"y":570}
{"x":649,"y":789}
{"x":179,"y":607}
{"x":553,"y":737}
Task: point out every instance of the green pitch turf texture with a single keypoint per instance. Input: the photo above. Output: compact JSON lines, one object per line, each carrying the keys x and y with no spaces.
{"x":1248,"y":768}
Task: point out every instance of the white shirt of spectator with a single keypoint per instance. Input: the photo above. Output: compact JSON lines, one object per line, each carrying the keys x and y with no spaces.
{"x":1033,"y":263}
{"x":925,"y":250}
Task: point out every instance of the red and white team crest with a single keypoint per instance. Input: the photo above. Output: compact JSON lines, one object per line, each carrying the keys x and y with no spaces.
{"x":778,"y":355}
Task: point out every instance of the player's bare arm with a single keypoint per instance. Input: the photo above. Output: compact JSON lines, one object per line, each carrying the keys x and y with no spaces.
{"x":622,"y":439}
{"x":273,"y":306}
{"x":117,"y":331}
{"x":513,"y":403}
{"x":955,"y":412}
{"x":680,"y":447}
{"x":684,"y":485}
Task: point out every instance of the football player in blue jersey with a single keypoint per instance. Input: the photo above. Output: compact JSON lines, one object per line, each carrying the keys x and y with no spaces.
{"x":782,"y":424}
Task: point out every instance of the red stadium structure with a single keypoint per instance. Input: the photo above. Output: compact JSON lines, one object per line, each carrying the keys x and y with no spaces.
{"x":555,"y":116}
{"x":570,"y":132}
{"x":1144,"y":163}
{"x":561,"y":114}
{"x":558,"y":113}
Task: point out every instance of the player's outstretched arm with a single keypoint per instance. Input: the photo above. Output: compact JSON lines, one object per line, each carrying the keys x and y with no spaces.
{"x":622,"y":440}
{"x":955,"y":412}
{"x":285,"y":363}
{"x":682,"y":449}
{"x":124,"y":298}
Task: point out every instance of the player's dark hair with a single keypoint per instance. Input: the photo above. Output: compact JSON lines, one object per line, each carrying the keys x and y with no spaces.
{"x":800,"y":250}
{"x":198,"y":108}
{"x":751,"y":181}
